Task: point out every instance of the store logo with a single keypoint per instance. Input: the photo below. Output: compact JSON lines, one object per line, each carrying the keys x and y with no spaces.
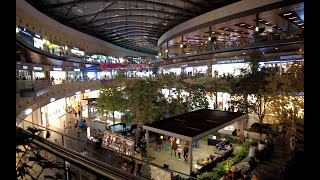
{"x":291,"y":57}
{"x":24,"y":67}
{"x":57,"y":69}
{"x":230,"y":61}
{"x":36,"y":68}
{"x":76,"y":70}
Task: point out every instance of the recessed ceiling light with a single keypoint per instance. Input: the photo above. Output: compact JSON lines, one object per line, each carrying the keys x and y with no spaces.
{"x":244,"y":53}
{"x":301,"y":24}
{"x":239,"y":36}
{"x":287,"y":14}
{"x":250,"y":27}
{"x":198,"y":30}
{"x":213,"y":32}
{"x":293,"y":18}
{"x":276,"y":48}
{"x":300,"y":49}
{"x":302,"y":27}
{"x":242,"y":24}
{"x":235,"y":30}
{"x":263,"y":53}
{"x":296,"y":21}
{"x":267,"y":23}
{"x":226,"y":28}
{"x":260,"y":20}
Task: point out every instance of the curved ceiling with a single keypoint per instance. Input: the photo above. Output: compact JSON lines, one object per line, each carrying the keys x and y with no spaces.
{"x":135,"y":24}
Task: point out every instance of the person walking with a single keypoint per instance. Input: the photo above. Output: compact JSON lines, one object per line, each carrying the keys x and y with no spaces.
{"x":185,"y":153}
{"x":180,"y":150}
{"x":78,"y":131}
{"x":138,"y":162}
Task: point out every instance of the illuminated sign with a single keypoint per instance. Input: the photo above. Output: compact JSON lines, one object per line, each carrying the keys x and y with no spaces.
{"x":24,"y":67}
{"x":298,"y":56}
{"x":37,"y":35}
{"x":57,"y":69}
{"x":76,"y":70}
{"x":230,"y":61}
{"x":79,"y":92}
{"x":37,"y":68}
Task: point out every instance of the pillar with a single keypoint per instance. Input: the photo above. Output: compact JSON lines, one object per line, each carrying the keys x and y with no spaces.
{"x":147,"y":145}
{"x":191,"y":158}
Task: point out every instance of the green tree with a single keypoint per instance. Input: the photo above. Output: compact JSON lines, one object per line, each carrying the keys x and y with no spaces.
{"x":111,"y":97}
{"x":145,"y":101}
{"x":287,"y":103}
{"x":249,"y":92}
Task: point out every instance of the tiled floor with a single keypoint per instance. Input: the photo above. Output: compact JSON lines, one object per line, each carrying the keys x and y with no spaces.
{"x":174,"y":163}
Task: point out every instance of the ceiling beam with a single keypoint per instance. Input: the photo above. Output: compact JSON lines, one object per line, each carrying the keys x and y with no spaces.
{"x":59,"y":5}
{"x":126,"y":10}
{"x":126,"y":16}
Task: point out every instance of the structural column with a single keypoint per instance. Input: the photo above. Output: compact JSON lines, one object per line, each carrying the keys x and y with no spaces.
{"x":191,"y":158}
{"x":147,"y":144}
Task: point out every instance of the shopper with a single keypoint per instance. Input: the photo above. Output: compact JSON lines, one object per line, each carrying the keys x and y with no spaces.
{"x":78,"y":131}
{"x":138,"y":162}
{"x":185,"y":153}
{"x":179,"y":149}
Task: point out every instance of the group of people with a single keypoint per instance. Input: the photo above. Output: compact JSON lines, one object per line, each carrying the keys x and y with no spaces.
{"x":257,"y":150}
{"x":235,"y":174}
{"x":135,"y":164}
{"x":224,"y":145}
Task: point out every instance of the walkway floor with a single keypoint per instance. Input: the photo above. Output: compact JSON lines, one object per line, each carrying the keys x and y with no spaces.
{"x":269,"y":169}
{"x":100,"y":154}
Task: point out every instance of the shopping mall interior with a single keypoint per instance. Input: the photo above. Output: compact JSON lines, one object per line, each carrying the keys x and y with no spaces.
{"x":160,"y":89}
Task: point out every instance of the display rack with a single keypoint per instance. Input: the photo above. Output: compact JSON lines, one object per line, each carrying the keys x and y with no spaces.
{"x":118,"y":143}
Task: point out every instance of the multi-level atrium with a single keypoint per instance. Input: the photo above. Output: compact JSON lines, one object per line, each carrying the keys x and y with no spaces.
{"x":160,"y":89}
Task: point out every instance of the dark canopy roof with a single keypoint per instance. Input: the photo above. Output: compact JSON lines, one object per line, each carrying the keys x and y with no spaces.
{"x":196,"y":124}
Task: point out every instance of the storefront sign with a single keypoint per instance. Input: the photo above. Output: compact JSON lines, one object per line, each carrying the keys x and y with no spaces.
{"x":25,"y":31}
{"x":25,"y":67}
{"x":76,"y":70}
{"x":291,"y":57}
{"x":88,"y":90}
{"x":79,"y":92}
{"x":37,"y":68}
{"x":230,"y":61}
{"x":57,"y":69}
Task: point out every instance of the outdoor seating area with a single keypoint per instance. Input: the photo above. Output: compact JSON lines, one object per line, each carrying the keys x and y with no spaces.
{"x":189,"y":129}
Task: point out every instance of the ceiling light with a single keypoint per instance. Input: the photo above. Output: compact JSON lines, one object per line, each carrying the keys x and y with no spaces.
{"x":267,"y":23}
{"x":242,"y":24}
{"x":235,"y":30}
{"x":159,"y":54}
{"x":276,"y":34}
{"x":257,"y":28}
{"x":287,"y":14}
{"x":273,"y":25}
{"x":166,"y":50}
{"x":302,"y":27}
{"x":213,"y":32}
{"x":279,"y":28}
{"x":263,"y":53}
{"x":181,"y":45}
{"x":17,"y":30}
{"x":301,"y":24}
{"x":198,"y":30}
{"x":226,"y":28}
{"x":201,"y":44}
{"x":209,"y":38}
{"x":222,"y":33}
{"x":206,"y":42}
{"x":260,"y":20}
{"x":277,"y":48}
{"x":239,"y":36}
{"x":296,"y":21}
{"x":244,"y":53}
{"x":300,"y":49}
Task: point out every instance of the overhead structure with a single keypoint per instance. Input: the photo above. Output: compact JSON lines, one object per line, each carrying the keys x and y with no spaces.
{"x":135,"y":25}
{"x":194,"y":125}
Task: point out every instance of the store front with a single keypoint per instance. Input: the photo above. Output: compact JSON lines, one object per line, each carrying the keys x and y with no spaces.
{"x":55,"y":110}
{"x":228,"y":66}
{"x":26,"y":34}
{"x":38,"y":43}
{"x":24,"y":72}
{"x":77,"y":52}
{"x":75,"y":74}
{"x":58,"y":74}
{"x":38,"y":72}
{"x":196,"y":70}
